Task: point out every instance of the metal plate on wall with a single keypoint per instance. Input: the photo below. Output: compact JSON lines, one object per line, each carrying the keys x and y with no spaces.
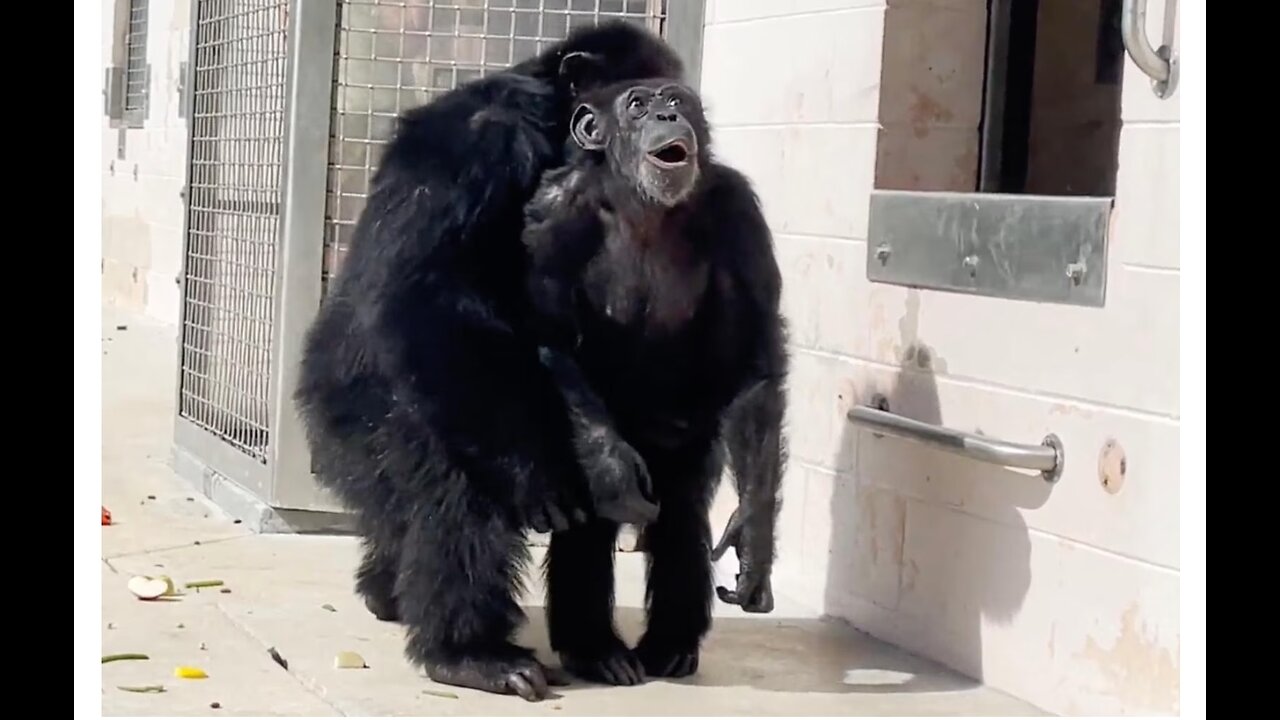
{"x":1020,"y":247}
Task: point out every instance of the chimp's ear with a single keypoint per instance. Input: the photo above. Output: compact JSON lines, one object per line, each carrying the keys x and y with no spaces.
{"x":585,"y":129}
{"x":580,"y":70}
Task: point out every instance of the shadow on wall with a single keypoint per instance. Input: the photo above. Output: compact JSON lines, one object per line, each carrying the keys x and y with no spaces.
{"x":924,"y":546}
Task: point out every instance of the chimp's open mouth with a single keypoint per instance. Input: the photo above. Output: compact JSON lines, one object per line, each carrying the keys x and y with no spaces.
{"x":673,"y":154}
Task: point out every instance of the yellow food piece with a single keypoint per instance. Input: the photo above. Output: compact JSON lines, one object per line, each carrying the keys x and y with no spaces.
{"x":189,"y":673}
{"x":348,"y":660}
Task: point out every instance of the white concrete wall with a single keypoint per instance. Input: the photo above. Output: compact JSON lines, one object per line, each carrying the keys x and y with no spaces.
{"x":141,"y":204}
{"x":1067,"y":597}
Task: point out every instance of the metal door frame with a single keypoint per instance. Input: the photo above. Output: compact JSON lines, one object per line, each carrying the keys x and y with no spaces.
{"x":312,"y":35}
{"x":201,"y":455}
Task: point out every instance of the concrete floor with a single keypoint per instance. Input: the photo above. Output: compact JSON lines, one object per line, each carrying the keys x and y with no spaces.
{"x":294,"y":593}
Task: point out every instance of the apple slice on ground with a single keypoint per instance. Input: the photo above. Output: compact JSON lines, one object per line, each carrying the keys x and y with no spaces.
{"x":149,"y":588}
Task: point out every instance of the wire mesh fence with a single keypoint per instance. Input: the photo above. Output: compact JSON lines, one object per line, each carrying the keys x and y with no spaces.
{"x":135,"y":68}
{"x":392,"y":55}
{"x":388,"y":56}
{"x":233,"y":221}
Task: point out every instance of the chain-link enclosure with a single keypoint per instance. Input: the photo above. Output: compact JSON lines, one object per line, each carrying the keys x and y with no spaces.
{"x":392,"y":55}
{"x":233,"y":223}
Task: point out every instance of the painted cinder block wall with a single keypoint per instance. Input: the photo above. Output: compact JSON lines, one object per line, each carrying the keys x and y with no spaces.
{"x":141,"y":187}
{"x":1066,"y":596}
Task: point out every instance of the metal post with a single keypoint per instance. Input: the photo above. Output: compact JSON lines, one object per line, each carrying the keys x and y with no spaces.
{"x":184,"y":287}
{"x":685,"y":23}
{"x":298,"y":274}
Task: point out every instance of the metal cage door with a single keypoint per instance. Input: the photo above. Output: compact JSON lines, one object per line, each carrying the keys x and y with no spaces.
{"x":235,"y":163}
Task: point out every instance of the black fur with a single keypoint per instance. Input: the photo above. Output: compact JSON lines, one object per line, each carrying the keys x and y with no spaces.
{"x":656,"y":295}
{"x":427,"y":412}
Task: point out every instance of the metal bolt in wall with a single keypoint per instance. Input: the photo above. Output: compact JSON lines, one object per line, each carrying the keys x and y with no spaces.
{"x":1075,"y":271}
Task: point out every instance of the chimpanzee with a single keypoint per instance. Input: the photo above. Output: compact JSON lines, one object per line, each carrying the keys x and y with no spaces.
{"x":427,"y":410}
{"x":654,"y":294}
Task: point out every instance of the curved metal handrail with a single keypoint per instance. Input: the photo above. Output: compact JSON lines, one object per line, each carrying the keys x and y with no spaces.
{"x":1157,"y":64}
{"x":1046,"y":457}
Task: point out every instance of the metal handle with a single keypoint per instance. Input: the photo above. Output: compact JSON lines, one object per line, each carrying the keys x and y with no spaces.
{"x":1046,"y":457}
{"x":1159,"y":65}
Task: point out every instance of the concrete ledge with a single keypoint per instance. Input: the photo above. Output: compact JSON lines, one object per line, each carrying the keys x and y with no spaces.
{"x":255,"y":514}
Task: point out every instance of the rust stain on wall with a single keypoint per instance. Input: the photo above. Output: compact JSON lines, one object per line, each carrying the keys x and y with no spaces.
{"x":925,"y":111}
{"x":882,"y":339}
{"x":1141,"y":673}
{"x":1070,"y":409}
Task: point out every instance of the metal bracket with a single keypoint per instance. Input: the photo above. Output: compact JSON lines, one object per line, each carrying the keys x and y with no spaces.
{"x":113,"y":93}
{"x":1022,"y":247}
{"x":146,"y":95}
{"x":1165,"y":88}
{"x":1047,"y":457}
{"x":182,"y":89}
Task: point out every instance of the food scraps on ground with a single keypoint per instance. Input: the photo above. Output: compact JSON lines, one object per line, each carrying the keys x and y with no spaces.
{"x":124,"y":656}
{"x":189,"y":673}
{"x":150,"y":588}
{"x":141,"y":688}
{"x":197,"y":584}
{"x":348,"y":660}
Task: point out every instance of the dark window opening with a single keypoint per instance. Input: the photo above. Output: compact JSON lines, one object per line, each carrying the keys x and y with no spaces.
{"x":1051,"y":117}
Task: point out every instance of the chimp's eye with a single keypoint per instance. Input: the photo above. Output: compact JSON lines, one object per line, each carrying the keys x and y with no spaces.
{"x":673,"y":102}
{"x":634,"y":103}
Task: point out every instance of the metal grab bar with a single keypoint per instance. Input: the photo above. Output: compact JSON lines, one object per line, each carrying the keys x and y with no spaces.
{"x":1047,"y":457}
{"x":1157,"y":64}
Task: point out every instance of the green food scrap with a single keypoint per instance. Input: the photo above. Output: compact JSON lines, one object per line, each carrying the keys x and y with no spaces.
{"x":142,"y":688}
{"x":124,"y":656}
{"x":197,"y":584}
